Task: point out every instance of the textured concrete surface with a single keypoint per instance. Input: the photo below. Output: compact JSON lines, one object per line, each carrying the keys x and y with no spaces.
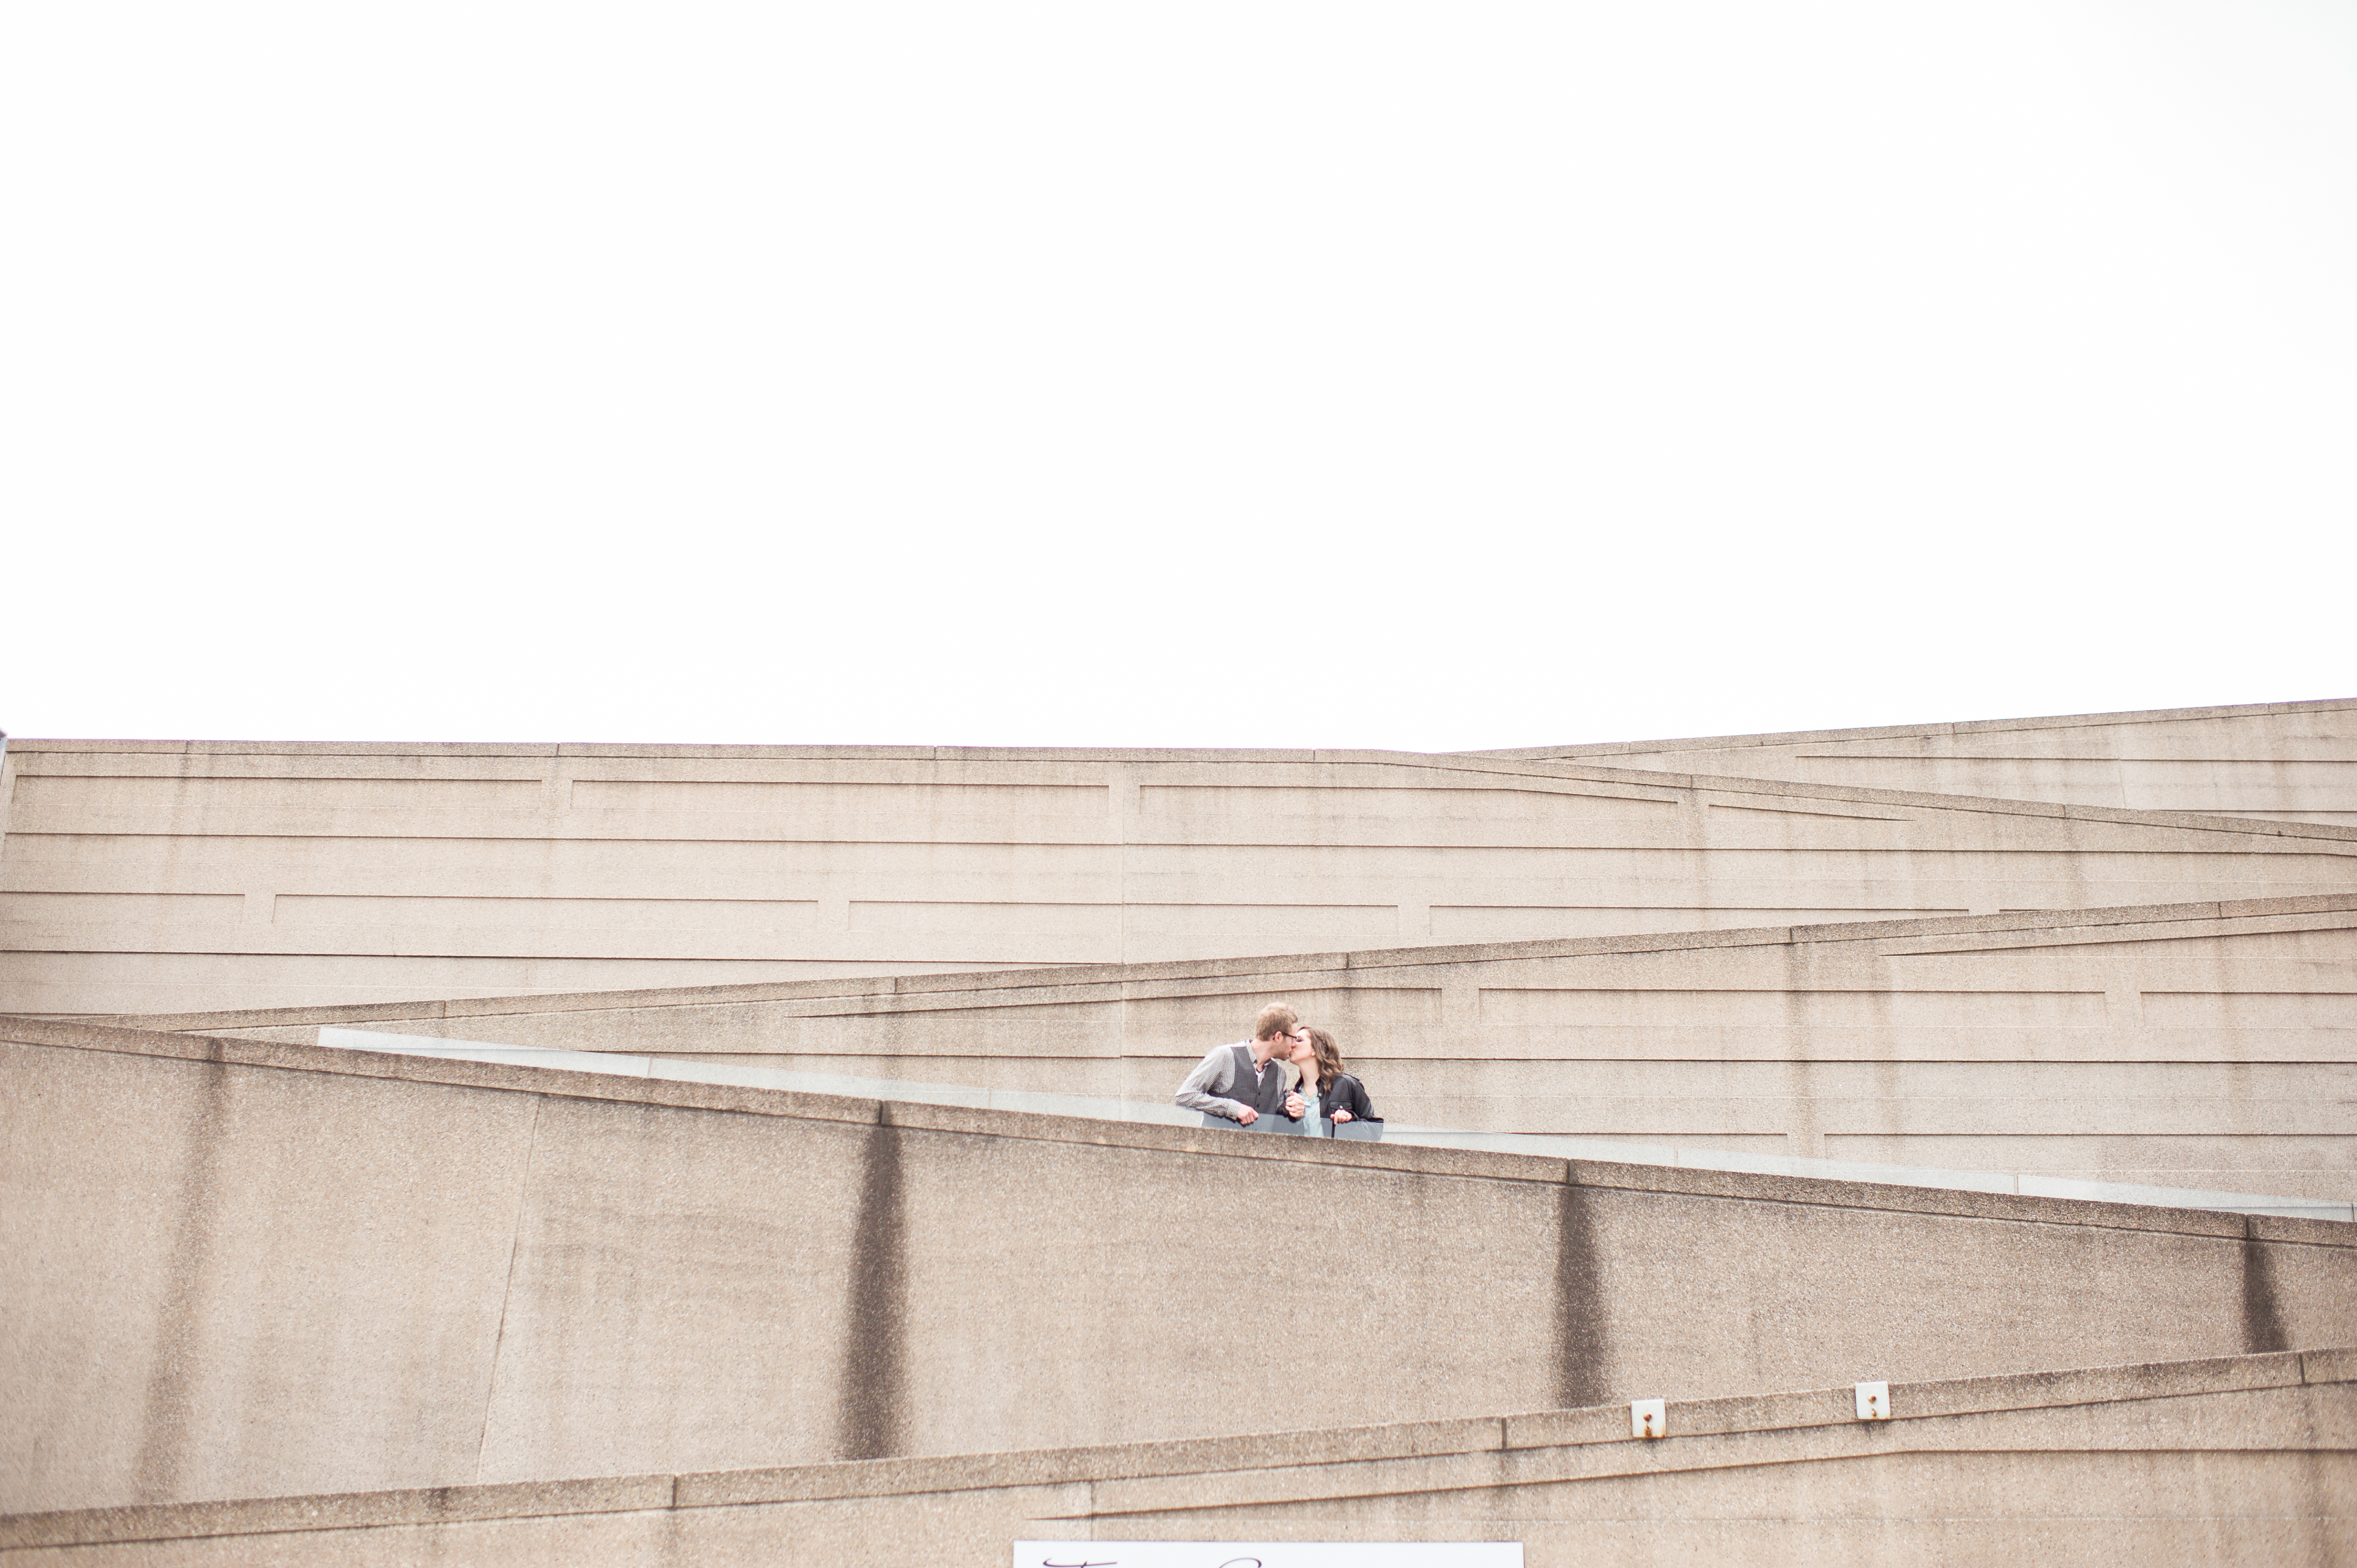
{"x":141,"y":878}
{"x":2281,"y":761}
{"x":194,"y":1254}
{"x":239,"y":1268}
{"x":2239,"y":1460}
{"x":2201,"y":1046}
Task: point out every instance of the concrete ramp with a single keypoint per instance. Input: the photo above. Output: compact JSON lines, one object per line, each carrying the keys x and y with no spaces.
{"x":239,"y":1269}
{"x":2244,"y":1460}
{"x":2204,"y":1046}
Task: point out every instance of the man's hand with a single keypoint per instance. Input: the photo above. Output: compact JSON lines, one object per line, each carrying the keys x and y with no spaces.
{"x":1341,"y":1116}
{"x":1293,"y":1106}
{"x":1248,"y":1117}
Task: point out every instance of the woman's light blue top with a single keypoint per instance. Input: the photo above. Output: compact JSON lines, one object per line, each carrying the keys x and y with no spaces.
{"x":1312,"y":1114}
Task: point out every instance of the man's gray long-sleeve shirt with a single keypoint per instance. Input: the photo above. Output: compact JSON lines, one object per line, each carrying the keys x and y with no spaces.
{"x":1207,"y":1087}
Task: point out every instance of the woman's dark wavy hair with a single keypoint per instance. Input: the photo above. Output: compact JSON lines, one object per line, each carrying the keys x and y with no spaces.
{"x":1328,"y":1054}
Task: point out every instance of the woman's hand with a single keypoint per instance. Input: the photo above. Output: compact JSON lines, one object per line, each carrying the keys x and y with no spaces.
{"x":1341,"y":1116}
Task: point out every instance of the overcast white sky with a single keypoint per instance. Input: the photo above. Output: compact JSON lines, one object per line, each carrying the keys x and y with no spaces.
{"x":1435,"y":376}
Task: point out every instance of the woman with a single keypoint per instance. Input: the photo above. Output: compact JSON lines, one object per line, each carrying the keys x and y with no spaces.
{"x":1330,"y":1096}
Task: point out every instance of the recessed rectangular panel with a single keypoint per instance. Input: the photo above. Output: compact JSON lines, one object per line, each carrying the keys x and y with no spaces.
{"x":56,"y":909}
{"x":1360,"y":1017}
{"x":898,"y":802}
{"x":1316,"y":925}
{"x":2097,"y":1150}
{"x":54,"y":804}
{"x":2330,"y":819}
{"x":542,"y":914}
{"x":1470,"y":803}
{"x":2095,"y":1085}
{"x":1531,"y":922}
{"x":87,"y":982}
{"x":1516,"y":1008}
{"x":1090,"y":1029}
{"x":919,"y":914}
{"x":2250,"y":1009}
{"x":561,"y":867}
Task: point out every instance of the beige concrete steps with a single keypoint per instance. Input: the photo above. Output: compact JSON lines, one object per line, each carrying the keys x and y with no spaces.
{"x":2243,"y":1459}
{"x":144,"y":878}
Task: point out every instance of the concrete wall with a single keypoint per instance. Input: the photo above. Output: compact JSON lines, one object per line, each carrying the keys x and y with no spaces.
{"x":2283,"y":761}
{"x":2203,"y":1045}
{"x":239,"y":1269}
{"x":145,"y":877}
{"x":2244,"y":1460}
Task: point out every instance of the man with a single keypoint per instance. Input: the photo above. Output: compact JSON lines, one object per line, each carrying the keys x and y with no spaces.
{"x":1245,"y":1081}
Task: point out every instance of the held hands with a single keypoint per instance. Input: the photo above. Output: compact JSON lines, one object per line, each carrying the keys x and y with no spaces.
{"x":1293,"y":1106}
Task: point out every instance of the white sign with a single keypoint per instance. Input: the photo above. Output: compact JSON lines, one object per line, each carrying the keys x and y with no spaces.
{"x":1268,"y":1554}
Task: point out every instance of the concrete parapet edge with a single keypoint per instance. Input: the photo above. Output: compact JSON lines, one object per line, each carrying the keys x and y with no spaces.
{"x":1688,"y":1181}
{"x":1906,"y":732}
{"x":1550,"y":768}
{"x":1300,"y":1454}
{"x":624,"y":749}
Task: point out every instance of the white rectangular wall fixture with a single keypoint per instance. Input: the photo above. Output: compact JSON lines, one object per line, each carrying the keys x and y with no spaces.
{"x":1268,"y":1554}
{"x":1874,"y":1401}
{"x":1649,"y":1418}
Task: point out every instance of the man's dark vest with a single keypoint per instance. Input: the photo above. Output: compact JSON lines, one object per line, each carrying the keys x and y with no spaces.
{"x":1267,"y":1097}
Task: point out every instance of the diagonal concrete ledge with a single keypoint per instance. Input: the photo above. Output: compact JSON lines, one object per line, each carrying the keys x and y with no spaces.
{"x":560,"y":1083}
{"x":1992,"y":805}
{"x":1076,"y":980}
{"x":1160,"y":1112}
{"x":1910,"y":732}
{"x":953,"y":753}
{"x":2193,"y":1047}
{"x":1590,"y":1441}
{"x":2275,"y":762}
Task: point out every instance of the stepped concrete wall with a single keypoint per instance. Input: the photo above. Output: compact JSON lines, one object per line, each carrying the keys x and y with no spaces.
{"x":148,"y":878}
{"x":2198,"y":1045}
{"x":2284,"y":761}
{"x":2243,"y":1460}
{"x":239,"y":1268}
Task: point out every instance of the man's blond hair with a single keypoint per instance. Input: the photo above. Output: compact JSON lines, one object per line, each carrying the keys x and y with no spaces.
{"x":1275,"y":1019}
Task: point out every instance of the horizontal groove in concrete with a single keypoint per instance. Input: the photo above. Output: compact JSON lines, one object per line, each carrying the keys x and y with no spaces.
{"x":1692,"y":1425}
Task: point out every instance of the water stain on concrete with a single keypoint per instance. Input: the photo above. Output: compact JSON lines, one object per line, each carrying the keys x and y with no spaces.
{"x":1580,"y":1318}
{"x":873,"y":1420}
{"x":178,"y":1357}
{"x":2262,"y":1324}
